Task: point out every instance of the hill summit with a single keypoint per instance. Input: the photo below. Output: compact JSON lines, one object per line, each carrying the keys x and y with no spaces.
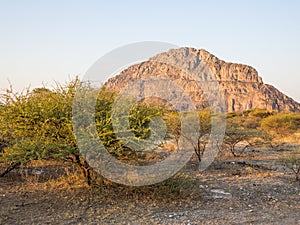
{"x":240,"y":84}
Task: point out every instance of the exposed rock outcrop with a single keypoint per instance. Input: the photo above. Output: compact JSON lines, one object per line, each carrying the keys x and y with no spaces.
{"x":241,"y":86}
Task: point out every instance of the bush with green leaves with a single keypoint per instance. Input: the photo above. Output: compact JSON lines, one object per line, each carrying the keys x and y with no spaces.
{"x":281,"y":124}
{"x":202,"y":132}
{"x":138,"y":118}
{"x":37,"y":125}
{"x":243,"y":129}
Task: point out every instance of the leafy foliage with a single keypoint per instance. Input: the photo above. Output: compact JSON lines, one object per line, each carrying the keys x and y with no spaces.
{"x":139,"y":118}
{"x":200,"y":142}
{"x":242,"y":129}
{"x":37,"y":125}
{"x":281,"y":124}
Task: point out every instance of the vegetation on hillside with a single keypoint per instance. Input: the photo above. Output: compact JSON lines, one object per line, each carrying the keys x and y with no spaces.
{"x":37,"y":125}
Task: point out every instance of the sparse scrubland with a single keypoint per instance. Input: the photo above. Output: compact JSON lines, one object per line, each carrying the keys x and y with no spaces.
{"x":44,"y":178}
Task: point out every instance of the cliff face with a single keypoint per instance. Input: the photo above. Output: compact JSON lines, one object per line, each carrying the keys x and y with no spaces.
{"x":240,"y":84}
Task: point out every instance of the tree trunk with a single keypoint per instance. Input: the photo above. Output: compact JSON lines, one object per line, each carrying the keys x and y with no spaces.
{"x":11,"y":167}
{"x":232,"y":151}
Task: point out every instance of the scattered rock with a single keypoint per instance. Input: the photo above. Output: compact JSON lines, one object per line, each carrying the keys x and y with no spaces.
{"x":218,"y":193}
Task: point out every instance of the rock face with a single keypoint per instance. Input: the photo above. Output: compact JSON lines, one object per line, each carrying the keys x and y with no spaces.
{"x":239,"y":84}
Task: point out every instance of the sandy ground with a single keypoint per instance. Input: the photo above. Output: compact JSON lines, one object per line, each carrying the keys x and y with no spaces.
{"x":251,"y":189}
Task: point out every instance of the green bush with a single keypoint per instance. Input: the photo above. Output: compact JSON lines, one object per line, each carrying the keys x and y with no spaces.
{"x":244,"y":129}
{"x":261,"y":113}
{"x":139,"y":118}
{"x":37,"y":125}
{"x":281,"y":124}
{"x":199,"y":142}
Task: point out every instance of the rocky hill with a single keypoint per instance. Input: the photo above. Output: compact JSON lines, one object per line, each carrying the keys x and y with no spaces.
{"x":241,"y":86}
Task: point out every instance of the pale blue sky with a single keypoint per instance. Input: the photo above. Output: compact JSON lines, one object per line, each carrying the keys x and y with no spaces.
{"x":42,"y":41}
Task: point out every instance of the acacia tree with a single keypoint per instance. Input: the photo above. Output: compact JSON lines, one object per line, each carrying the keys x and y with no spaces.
{"x":234,"y":136}
{"x":240,"y":130}
{"x":202,"y":132}
{"x":37,"y":125}
{"x":292,"y":161}
{"x":133,"y":137}
{"x":172,"y":119}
